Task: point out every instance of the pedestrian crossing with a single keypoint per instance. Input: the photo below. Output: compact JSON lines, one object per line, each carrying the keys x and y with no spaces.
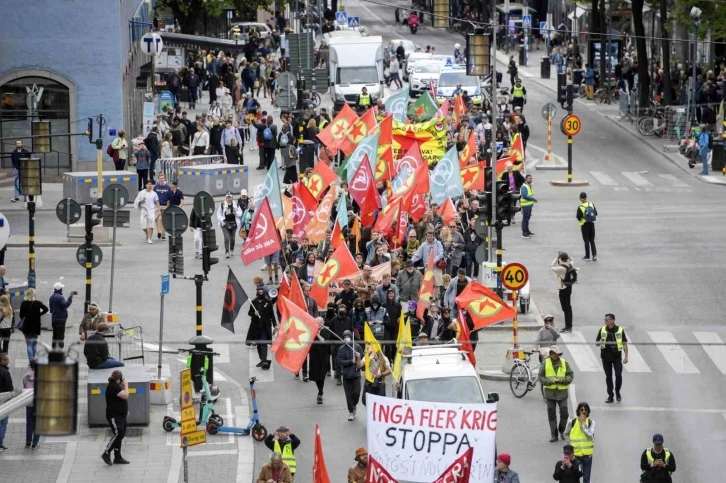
{"x":658,"y":347}
{"x":639,"y":181}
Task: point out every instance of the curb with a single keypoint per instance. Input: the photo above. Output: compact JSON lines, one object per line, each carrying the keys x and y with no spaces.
{"x":58,"y":244}
{"x":493,"y":375}
{"x":567,"y":184}
{"x":508,"y":328}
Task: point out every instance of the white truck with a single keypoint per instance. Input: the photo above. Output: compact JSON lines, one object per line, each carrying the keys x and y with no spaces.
{"x":355,"y":63}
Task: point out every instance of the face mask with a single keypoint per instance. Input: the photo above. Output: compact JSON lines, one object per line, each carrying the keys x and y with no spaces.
{"x":346,"y":339}
{"x":375,"y":306}
{"x":341,"y":313}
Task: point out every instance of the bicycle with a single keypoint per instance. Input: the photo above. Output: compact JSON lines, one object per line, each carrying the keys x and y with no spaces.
{"x":601,"y":94}
{"x":523,"y":377}
{"x":652,"y":121}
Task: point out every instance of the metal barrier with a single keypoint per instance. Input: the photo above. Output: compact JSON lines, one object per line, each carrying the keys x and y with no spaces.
{"x":677,"y":126}
{"x":169,"y":166}
{"x":130,"y":343}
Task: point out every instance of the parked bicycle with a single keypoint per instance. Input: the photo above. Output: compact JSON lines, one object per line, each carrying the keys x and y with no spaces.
{"x":652,"y":121}
{"x":523,"y":377}
{"x":601,"y":94}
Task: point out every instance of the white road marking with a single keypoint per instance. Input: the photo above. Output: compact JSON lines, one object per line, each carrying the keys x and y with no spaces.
{"x":223,"y":350}
{"x":245,"y":449}
{"x":582,"y":355}
{"x":573,"y":398}
{"x":69,"y":458}
{"x":717,"y":353}
{"x":603,"y":178}
{"x":219,"y":377}
{"x":675,"y":182}
{"x":673,"y":354}
{"x":637,"y":179}
{"x":155,"y":348}
{"x":33,"y":456}
{"x":258,"y":372}
{"x":217,"y":452}
{"x":659,"y":409}
{"x":621,"y":188}
{"x":636,"y":363}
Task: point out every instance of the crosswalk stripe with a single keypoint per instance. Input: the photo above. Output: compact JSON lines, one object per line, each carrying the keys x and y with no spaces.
{"x":673,"y":354}
{"x":637,"y":179}
{"x":716,"y":353}
{"x":674,"y":181}
{"x":582,"y":355}
{"x":603,"y":178}
{"x":636,"y":363}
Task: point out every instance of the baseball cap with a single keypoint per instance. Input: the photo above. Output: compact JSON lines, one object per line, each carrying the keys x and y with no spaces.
{"x":283,"y":429}
{"x":243,"y":193}
{"x":548,"y":316}
{"x":58,"y":286}
{"x":300,"y":256}
{"x":658,"y":438}
{"x":556,"y":350}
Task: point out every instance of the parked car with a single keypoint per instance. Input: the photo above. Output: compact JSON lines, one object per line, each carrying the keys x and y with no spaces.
{"x":245,"y":27}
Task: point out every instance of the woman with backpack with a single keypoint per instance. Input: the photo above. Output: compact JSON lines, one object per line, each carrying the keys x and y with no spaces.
{"x":269,"y":139}
{"x":288,"y":152}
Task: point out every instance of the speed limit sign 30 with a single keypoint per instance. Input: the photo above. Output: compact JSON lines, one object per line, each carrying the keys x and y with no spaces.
{"x":571,"y":125}
{"x":514,"y":276}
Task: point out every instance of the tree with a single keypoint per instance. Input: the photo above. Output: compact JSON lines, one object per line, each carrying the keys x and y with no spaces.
{"x":642,"y":51}
{"x":713,"y":18}
{"x":667,"y":81}
{"x":187,"y":11}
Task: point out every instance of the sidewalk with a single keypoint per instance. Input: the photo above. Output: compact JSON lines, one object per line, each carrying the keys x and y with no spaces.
{"x":611,"y":112}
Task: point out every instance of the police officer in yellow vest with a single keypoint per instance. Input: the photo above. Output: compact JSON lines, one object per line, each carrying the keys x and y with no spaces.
{"x":581,"y":432}
{"x":613,"y":345}
{"x":555,"y":374}
{"x":657,"y":463}
{"x":519,"y":94}
{"x":285,"y":444}
{"x":526,"y":201}
{"x":364,"y":99}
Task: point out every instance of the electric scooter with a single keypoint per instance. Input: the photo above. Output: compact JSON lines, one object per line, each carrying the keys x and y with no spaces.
{"x":206,"y":402}
{"x":254,"y":427}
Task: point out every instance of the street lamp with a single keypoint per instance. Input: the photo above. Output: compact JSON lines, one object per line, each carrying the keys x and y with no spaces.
{"x":31,"y":185}
{"x":236,"y":33}
{"x":696,"y":16}
{"x":56,"y":394}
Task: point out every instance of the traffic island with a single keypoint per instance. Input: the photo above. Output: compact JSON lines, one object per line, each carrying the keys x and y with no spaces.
{"x":573,"y":183}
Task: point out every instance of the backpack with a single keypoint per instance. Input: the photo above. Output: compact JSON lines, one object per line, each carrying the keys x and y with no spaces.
{"x":283,"y":139}
{"x":267,"y":134}
{"x":590,"y":215}
{"x":570,"y":277}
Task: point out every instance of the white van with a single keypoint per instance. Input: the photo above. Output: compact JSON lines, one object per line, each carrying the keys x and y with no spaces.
{"x":441,"y":373}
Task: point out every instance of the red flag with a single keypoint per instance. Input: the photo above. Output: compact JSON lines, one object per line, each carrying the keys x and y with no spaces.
{"x":318,"y":224}
{"x":337,"y":236}
{"x":321,"y":177}
{"x":296,"y":294}
{"x":421,"y":179}
{"x":426,"y":292}
{"x":357,"y":132}
{"x":469,"y":151}
{"x":363,"y":188}
{"x":367,"y":219}
{"x":335,"y":131}
{"x":320,"y":472}
{"x":418,"y":207}
{"x":300,"y":213}
{"x":412,"y":158}
{"x":459,"y":108}
{"x":516,"y":150}
{"x":284,"y":290}
{"x":340,"y":264}
{"x":400,"y":234}
{"x":501,"y":163}
{"x":263,"y":238}
{"x":384,"y":164}
{"x":472,"y":176}
{"x":447,"y":211}
{"x":460,"y":469}
{"x":444,"y":109}
{"x":483,"y":305}
{"x":385,"y":127}
{"x":305,"y":195}
{"x":376,"y":473}
{"x":463,"y":335}
{"x":388,"y":217}
{"x":296,"y":333}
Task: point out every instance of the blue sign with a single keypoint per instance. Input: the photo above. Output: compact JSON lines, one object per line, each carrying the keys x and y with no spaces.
{"x":527,"y":21}
{"x":341,"y":18}
{"x":165,"y":283}
{"x":542,"y":27}
{"x":353,"y":22}
{"x":166,"y":98}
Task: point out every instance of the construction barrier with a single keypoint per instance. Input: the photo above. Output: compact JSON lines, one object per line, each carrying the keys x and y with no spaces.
{"x":170,"y":166}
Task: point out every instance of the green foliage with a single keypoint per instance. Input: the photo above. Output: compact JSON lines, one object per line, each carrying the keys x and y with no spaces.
{"x":713,"y":18}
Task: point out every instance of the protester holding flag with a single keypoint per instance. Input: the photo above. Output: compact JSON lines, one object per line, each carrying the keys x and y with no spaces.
{"x":319,"y":358}
{"x":262,"y":320}
{"x":350,"y":356}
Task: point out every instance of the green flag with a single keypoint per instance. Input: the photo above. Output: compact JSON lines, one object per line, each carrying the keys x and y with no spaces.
{"x":424,"y":108}
{"x":271,"y":189}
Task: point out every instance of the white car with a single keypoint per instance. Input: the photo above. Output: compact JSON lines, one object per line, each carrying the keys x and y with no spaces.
{"x":424,"y":72}
{"x":449,"y":78}
{"x":244,"y":30}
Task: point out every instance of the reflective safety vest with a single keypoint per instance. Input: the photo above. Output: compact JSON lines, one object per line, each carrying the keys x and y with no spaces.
{"x":365,"y":100}
{"x":518,"y":91}
{"x":323,"y":123}
{"x":550,"y":372}
{"x":583,"y":207}
{"x":288,"y":457}
{"x":528,"y":189}
{"x":649,"y":455}
{"x":618,"y":338}
{"x":582,"y":443}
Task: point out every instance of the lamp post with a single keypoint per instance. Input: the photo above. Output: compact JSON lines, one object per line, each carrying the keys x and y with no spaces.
{"x":31,"y":186}
{"x":696,"y":16}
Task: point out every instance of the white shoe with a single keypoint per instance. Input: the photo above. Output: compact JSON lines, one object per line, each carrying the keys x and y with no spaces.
{"x":351,"y":416}
{"x":264,"y":267}
{"x":148,"y":240}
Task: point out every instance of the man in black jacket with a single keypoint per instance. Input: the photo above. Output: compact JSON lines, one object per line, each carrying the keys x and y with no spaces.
{"x":6,"y":386}
{"x":151,"y":141}
{"x":96,"y":350}
{"x":569,"y":468}
{"x":19,"y":153}
{"x":215,"y":137}
{"x":339,"y":325}
{"x":350,"y":356}
{"x":657,"y":462}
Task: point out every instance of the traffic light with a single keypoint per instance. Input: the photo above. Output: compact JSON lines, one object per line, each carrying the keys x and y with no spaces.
{"x":176,"y":255}
{"x":503,"y":203}
{"x":209,"y":240}
{"x":89,"y":131}
{"x":488,"y":178}
{"x":485,"y":206}
{"x":514,"y":204}
{"x":562,"y":89}
{"x":93,"y":209}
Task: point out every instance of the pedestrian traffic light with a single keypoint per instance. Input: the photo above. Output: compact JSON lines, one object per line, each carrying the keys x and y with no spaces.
{"x":485,"y":206}
{"x":488,"y":178}
{"x":176,"y":255}
{"x":503,"y":203}
{"x":93,"y":209}
{"x":209,"y":240}
{"x":514,"y":204}
{"x":89,"y":131}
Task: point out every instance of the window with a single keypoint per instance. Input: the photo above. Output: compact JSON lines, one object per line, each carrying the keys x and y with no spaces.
{"x":462,"y":390}
{"x":451,"y":79}
{"x":357,"y":75}
{"x":427,"y":68}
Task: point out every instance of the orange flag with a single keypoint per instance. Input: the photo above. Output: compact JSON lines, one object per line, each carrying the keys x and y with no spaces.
{"x":472,"y":176}
{"x":335,"y":131}
{"x":358,"y":130}
{"x":516,"y":150}
{"x":388,"y":217}
{"x":501,"y":163}
{"x":469,"y":150}
{"x":285,"y":222}
{"x":296,"y":294}
{"x":355,"y":232}
{"x":459,"y":108}
{"x":426,"y":292}
{"x":320,"y":472}
{"x":463,"y":336}
{"x":447,"y":211}
{"x":284,"y":290}
{"x":321,"y":177}
{"x":315,"y":229}
{"x":483,"y":305}
{"x":340,"y":264}
{"x":295,"y":336}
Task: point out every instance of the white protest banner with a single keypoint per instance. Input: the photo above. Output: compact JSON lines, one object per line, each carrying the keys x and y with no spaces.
{"x":417,"y":441}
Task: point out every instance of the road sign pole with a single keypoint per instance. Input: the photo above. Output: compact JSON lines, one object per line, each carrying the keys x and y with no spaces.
{"x":113,"y":248}
{"x":569,"y":159}
{"x":515,"y":329}
{"x":500,"y":253}
{"x":493,"y":145}
{"x":31,"y":241}
{"x":548,"y":155}
{"x":89,"y":268}
{"x":161,"y":328}
{"x":186,"y":465}
{"x":198,"y":281}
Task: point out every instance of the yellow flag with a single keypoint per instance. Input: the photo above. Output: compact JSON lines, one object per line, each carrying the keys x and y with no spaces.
{"x":404,"y":345}
{"x":373,"y":349}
